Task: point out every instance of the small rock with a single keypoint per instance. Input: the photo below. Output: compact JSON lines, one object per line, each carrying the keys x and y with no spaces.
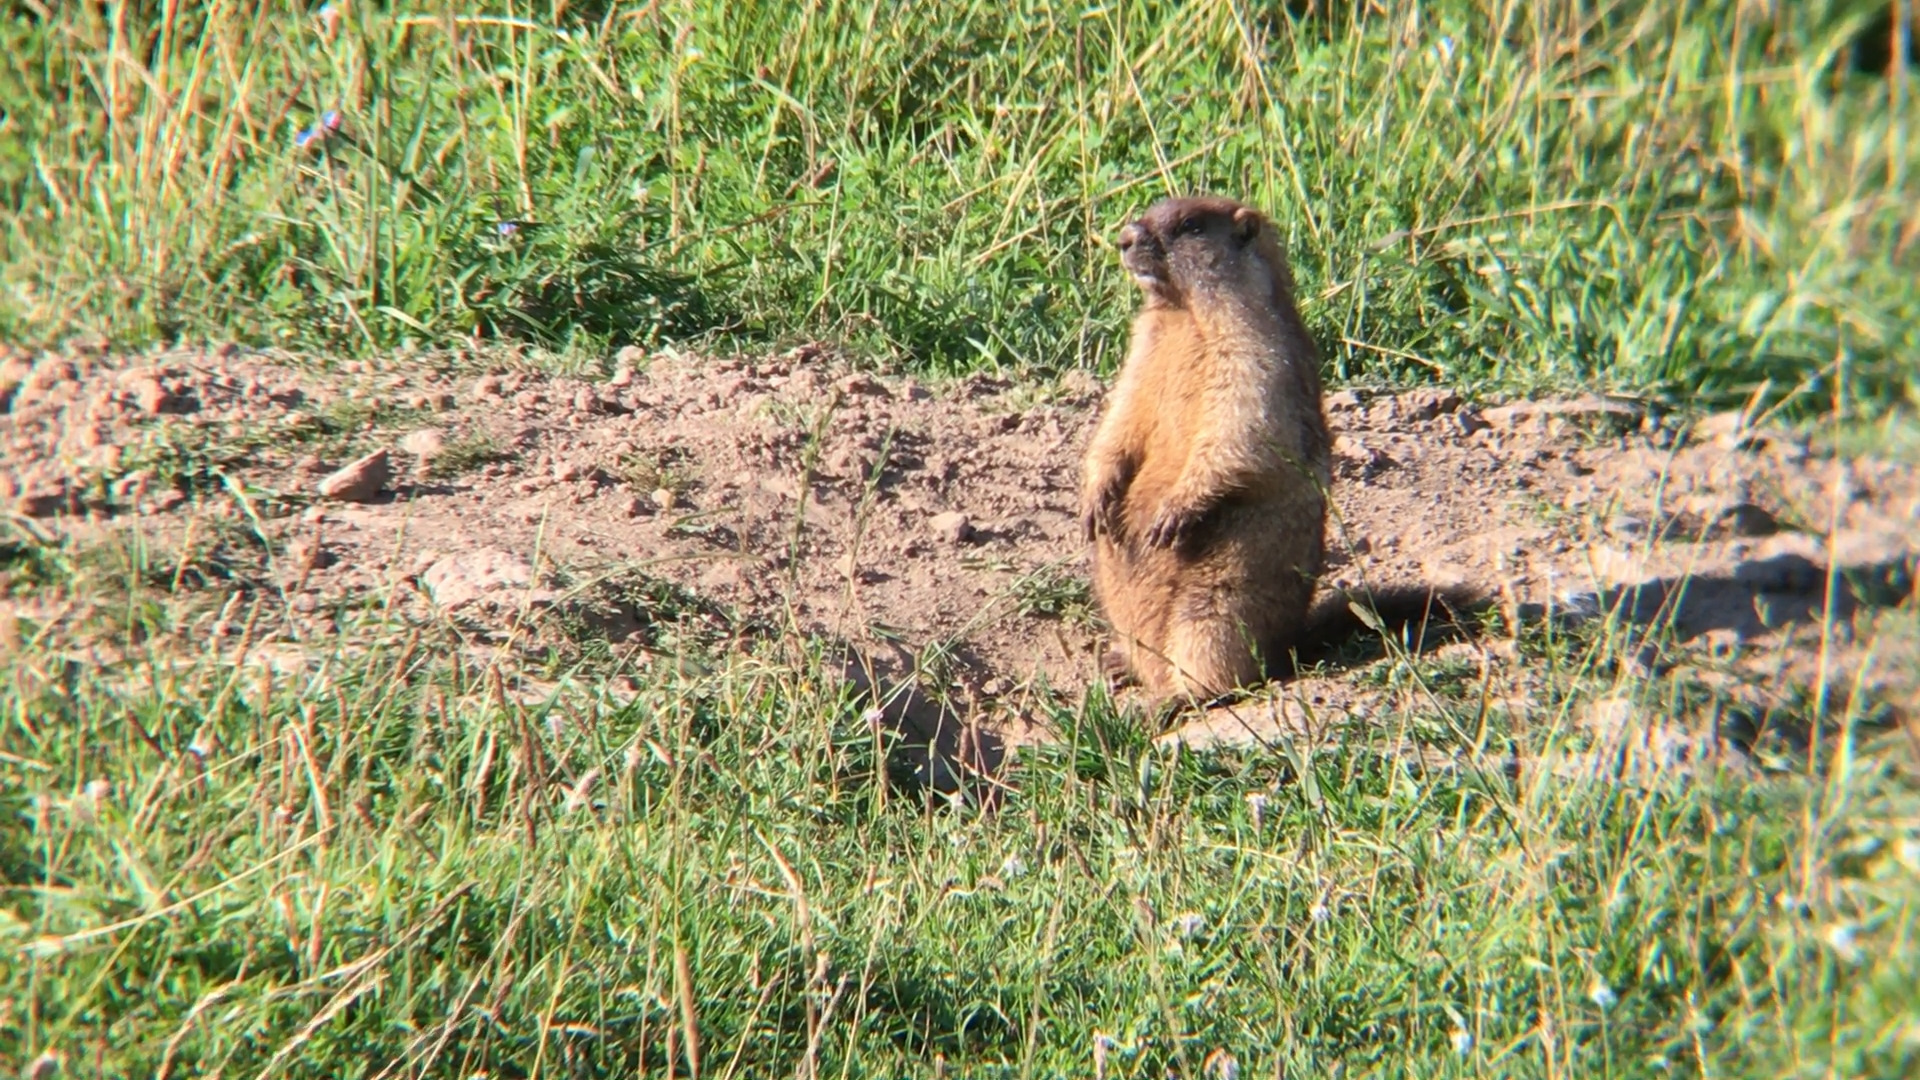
{"x":44,"y":499}
{"x":306,"y":556}
{"x":1626,"y":525}
{"x":1581,"y":605}
{"x":305,"y":603}
{"x":1729,"y":430}
{"x":486,"y":388}
{"x":487,"y":576}
{"x":859,"y":383}
{"x":850,"y":462}
{"x":1743,"y":519}
{"x":664,"y":498}
{"x":1722,"y":642}
{"x":425,"y":445}
{"x":629,"y":357}
{"x":623,"y":377}
{"x":1427,"y":404}
{"x":1343,"y":401}
{"x":360,"y":481}
{"x":952,"y":526}
{"x":634,"y":506}
{"x":568,"y":471}
{"x":152,"y":397}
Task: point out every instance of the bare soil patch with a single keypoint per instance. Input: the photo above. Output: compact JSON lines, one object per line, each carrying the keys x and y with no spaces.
{"x":930,"y":527}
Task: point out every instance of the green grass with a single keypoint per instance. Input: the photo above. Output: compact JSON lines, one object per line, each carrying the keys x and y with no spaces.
{"x":383,"y":865}
{"x":1695,"y":199}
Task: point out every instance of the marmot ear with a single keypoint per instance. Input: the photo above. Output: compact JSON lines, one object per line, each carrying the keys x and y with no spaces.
{"x":1246,"y":224}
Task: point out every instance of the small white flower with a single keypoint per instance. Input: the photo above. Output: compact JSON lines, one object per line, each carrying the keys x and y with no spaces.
{"x":1013,"y":867}
{"x":1319,"y":913}
{"x":1462,"y":1041}
{"x":1188,"y":923}
{"x":1257,"y":807}
{"x":1840,"y":937}
{"x":875,"y":719}
{"x":1602,"y":995}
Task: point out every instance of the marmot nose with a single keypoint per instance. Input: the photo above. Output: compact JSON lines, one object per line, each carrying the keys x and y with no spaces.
{"x":1129,"y":236}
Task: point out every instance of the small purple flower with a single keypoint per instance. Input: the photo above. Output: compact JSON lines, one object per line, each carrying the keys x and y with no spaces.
{"x":307,"y":138}
{"x":507,"y":228}
{"x":331,"y":120}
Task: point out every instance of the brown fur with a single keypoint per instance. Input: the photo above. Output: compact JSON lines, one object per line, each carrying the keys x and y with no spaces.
{"x":1205,"y":482}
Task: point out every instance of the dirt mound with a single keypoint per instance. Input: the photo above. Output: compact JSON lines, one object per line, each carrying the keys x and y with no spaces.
{"x":932,"y":528}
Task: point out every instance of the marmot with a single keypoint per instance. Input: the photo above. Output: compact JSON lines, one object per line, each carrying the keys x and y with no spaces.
{"x":1205,"y":487}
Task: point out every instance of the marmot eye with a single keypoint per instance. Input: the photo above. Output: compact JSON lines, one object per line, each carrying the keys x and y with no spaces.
{"x":1190,"y":226}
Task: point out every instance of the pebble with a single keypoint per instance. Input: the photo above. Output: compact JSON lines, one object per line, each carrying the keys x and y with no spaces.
{"x":1729,"y":430}
{"x":1626,"y":525}
{"x":1343,"y":401}
{"x":1427,"y":404}
{"x":360,"y":481}
{"x":952,"y":526}
{"x":858,"y":383}
{"x":308,"y":555}
{"x":1743,"y":519}
{"x":425,"y":444}
{"x":485,"y":576}
{"x":664,"y":498}
{"x":44,"y":499}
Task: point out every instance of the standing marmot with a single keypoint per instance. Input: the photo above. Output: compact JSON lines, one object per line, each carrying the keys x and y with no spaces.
{"x":1205,"y":484}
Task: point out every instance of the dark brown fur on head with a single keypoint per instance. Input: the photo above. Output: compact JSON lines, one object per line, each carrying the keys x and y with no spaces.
{"x":1180,"y":246}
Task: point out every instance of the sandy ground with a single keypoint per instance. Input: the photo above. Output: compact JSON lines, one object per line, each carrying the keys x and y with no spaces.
{"x":929,"y":528}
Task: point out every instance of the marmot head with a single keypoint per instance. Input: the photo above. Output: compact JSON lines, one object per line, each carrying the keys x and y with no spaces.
{"x":1183,"y":249}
